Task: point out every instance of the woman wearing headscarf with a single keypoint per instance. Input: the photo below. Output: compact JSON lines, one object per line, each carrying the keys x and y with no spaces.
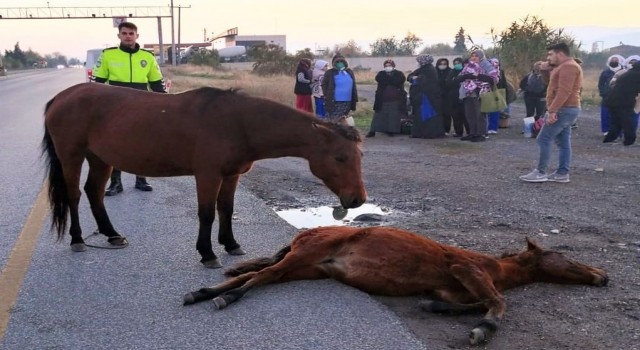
{"x":615,"y":63}
{"x":443,"y":69}
{"x":426,"y":100}
{"x":319,"y":69}
{"x":302,"y":88}
{"x":476,"y":78}
{"x":452,"y":98}
{"x":390,"y":103}
{"x":339,"y":88}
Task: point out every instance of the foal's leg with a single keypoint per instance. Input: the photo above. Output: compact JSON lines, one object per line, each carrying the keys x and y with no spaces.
{"x":97,"y":178}
{"x":207,"y":187}
{"x":480,"y":285}
{"x":456,"y":303}
{"x":225,"y":214}
{"x":292,"y":268}
{"x":209,"y":293}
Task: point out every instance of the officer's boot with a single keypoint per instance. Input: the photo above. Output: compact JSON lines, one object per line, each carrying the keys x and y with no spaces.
{"x":116,"y":185}
{"x":142,"y":185}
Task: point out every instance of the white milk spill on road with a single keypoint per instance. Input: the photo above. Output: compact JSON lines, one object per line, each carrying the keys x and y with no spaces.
{"x":327,"y":215}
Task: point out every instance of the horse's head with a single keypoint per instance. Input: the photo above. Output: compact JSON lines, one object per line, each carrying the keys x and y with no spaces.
{"x":336,"y":159}
{"x":553,"y":267}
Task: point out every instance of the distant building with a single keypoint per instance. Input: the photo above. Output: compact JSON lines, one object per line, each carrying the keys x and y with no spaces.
{"x":231,"y":38}
{"x":625,"y":50}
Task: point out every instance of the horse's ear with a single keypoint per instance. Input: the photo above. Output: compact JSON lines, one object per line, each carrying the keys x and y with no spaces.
{"x":532,"y":245}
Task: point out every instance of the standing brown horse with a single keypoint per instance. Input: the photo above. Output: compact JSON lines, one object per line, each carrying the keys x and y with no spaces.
{"x":213,"y":134}
{"x":393,"y":262}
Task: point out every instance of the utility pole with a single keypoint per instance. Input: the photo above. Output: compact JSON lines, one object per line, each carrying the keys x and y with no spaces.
{"x":173,"y":42}
{"x":179,"y":8}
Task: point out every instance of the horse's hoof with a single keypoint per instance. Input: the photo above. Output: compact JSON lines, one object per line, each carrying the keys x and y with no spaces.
{"x":188,"y":299}
{"x":212,"y":264}
{"x":118,"y":240}
{"x":237,"y":251}
{"x":78,"y":247}
{"x":220,"y":303}
{"x":476,"y":336}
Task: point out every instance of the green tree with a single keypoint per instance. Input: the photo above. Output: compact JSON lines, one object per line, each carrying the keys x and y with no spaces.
{"x":205,"y":58}
{"x":409,"y":44}
{"x":55,"y":59}
{"x":16,"y":58}
{"x":439,"y":49}
{"x":459,"y":43}
{"x":384,"y":47}
{"x":524,"y":43}
{"x":349,"y":49}
{"x":272,"y":59}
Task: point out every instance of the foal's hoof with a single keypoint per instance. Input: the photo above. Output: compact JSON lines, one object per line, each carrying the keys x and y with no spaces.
{"x":188,"y":299}
{"x":118,"y":241}
{"x":220,"y":303}
{"x":476,"y":336}
{"x":78,"y":247}
{"x":212,"y":264}
{"x":237,"y":251}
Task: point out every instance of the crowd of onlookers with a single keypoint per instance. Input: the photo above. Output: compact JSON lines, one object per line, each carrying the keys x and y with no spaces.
{"x":447,"y":99}
{"x":443,"y":97}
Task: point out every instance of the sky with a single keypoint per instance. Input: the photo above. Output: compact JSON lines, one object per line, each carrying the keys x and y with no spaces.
{"x":323,"y":23}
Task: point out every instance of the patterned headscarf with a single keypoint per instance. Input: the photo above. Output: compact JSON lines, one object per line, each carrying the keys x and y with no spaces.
{"x":424,"y":59}
{"x":389,"y":61}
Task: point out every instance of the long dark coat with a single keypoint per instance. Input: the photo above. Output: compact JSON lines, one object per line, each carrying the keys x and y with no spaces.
{"x":426,"y":84}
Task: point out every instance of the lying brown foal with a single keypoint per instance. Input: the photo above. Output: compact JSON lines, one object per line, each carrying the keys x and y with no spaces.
{"x":393,"y":262}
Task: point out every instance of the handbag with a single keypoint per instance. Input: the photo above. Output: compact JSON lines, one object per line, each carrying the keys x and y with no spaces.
{"x":426,"y":109}
{"x":350,"y":121}
{"x":493,"y":101}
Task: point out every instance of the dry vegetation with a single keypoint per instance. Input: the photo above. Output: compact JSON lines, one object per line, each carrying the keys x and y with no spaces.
{"x":280,"y":87}
{"x":275,"y":87}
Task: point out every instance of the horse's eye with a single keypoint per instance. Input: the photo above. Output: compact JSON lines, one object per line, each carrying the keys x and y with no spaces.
{"x":341,"y":159}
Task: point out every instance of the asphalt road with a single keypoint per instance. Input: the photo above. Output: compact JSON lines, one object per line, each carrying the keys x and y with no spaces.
{"x":132,"y":298}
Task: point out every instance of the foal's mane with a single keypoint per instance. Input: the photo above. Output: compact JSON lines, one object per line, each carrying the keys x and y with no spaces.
{"x":210,"y":94}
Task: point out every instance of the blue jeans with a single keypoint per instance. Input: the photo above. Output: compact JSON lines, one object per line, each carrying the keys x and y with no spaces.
{"x":604,"y":118}
{"x":560,"y":132}
{"x":319,"y":106}
{"x":493,"y":119}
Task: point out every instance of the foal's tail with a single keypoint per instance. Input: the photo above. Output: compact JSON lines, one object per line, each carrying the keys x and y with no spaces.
{"x":257,"y":264}
{"x":58,"y":197}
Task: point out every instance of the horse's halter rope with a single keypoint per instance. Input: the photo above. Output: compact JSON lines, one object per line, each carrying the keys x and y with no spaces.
{"x":95,"y":233}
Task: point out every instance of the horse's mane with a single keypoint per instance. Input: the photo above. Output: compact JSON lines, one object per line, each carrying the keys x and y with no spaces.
{"x":348,"y":132}
{"x":211,"y":93}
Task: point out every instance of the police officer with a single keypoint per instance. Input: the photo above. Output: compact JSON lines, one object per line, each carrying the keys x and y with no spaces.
{"x":129,"y":66}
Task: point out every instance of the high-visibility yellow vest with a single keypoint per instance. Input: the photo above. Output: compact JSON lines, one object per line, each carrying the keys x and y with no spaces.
{"x":123,"y":68}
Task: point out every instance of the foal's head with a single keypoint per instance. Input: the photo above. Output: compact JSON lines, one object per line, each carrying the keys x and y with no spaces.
{"x":336,"y":160}
{"x":553,"y":267}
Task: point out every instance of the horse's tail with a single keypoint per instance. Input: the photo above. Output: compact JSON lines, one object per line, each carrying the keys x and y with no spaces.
{"x":258,"y":263}
{"x":58,"y":197}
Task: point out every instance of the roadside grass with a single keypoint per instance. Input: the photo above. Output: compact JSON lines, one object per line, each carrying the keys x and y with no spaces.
{"x":280,"y":87}
{"x":277,"y":87}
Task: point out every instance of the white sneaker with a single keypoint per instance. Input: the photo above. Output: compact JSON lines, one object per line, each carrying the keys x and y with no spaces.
{"x":492,"y":132}
{"x":555,"y":177}
{"x":534,"y":176}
